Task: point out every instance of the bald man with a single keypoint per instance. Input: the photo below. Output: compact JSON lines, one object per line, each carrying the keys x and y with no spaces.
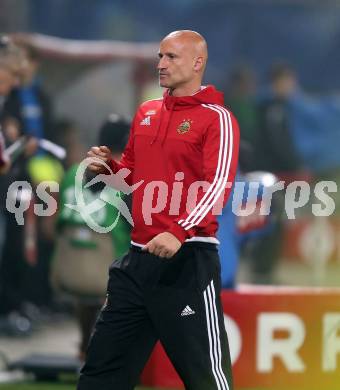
{"x":183,"y":151}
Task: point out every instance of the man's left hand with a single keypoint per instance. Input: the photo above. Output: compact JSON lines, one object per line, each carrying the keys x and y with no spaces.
{"x":163,"y":245}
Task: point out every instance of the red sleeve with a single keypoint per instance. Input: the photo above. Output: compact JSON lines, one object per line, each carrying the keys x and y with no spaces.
{"x":127,"y":160}
{"x":220,"y":159}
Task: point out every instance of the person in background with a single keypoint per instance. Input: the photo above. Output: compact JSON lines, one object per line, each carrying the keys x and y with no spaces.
{"x":240,"y":96}
{"x":274,"y":151}
{"x":28,"y":110}
{"x":240,"y":236}
{"x":11,"y":66}
{"x":315,"y":123}
{"x":12,"y":63}
{"x":275,"y":148}
{"x":24,"y":268}
{"x":82,"y":256}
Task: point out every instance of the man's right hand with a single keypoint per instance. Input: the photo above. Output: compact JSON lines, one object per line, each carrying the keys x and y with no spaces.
{"x":102,"y":153}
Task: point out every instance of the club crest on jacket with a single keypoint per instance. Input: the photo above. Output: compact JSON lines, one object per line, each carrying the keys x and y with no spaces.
{"x":184,"y":127}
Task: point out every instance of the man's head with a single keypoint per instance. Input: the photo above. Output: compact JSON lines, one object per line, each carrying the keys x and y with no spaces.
{"x":182,"y":59}
{"x":113,"y":133}
{"x":283,"y":80}
{"x":242,"y":82}
{"x":11,"y":65}
{"x":31,"y":65}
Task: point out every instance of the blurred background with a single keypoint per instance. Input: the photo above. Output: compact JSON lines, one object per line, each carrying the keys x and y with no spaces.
{"x":88,"y":64}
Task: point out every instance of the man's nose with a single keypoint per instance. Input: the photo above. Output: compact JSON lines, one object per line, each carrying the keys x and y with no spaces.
{"x":161,"y":64}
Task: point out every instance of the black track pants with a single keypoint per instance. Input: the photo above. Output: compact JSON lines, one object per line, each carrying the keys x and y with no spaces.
{"x":176,"y":301}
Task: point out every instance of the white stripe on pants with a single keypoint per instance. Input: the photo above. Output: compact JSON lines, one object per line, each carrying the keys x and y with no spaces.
{"x":214,"y":337}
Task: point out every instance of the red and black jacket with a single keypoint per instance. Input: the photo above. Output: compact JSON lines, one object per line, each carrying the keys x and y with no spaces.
{"x":175,"y":144}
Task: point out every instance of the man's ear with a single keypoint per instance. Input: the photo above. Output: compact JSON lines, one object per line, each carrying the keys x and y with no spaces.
{"x":198,"y":64}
